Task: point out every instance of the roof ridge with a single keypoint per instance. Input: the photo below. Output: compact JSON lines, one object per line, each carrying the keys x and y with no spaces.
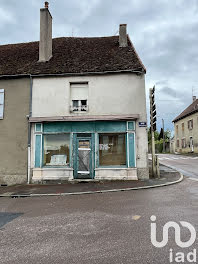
{"x":36,"y":41}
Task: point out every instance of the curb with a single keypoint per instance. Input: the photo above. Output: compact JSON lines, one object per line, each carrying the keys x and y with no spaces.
{"x":94,"y":192}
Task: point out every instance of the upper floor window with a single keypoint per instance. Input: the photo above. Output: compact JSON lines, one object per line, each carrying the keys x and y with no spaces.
{"x":190,"y":124}
{"x":1,"y":103}
{"x":177,"y":128}
{"x":79,"y":97}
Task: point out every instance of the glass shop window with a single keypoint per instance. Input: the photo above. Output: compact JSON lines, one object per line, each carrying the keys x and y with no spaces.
{"x":56,"y":150}
{"x":112,"y":149}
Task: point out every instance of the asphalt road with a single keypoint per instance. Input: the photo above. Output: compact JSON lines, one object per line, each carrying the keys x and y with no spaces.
{"x":99,"y":228}
{"x":188,"y":165}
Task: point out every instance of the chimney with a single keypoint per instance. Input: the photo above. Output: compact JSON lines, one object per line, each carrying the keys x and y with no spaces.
{"x":194,"y":98}
{"x":123,"y":35}
{"x":45,"y":44}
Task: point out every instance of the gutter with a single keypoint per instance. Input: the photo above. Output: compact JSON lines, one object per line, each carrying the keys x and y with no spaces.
{"x":70,"y":74}
{"x":87,"y":73}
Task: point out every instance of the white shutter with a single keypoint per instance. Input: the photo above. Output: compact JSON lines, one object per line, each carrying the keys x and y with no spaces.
{"x":79,"y":91}
{"x":1,"y":103}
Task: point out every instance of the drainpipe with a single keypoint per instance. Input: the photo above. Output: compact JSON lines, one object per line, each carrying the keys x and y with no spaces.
{"x":29,"y":134}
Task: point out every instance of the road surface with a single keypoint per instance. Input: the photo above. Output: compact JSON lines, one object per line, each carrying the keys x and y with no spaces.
{"x":188,"y":165}
{"x":108,"y":228}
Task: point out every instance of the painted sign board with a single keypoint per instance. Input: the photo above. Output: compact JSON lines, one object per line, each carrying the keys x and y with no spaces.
{"x":142,"y":124}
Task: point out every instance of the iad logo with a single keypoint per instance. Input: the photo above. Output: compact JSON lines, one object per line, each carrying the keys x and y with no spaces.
{"x":179,"y":256}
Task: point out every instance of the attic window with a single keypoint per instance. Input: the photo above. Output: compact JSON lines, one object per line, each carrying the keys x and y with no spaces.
{"x":79,"y":97}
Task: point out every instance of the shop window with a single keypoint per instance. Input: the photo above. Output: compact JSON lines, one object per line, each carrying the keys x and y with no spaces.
{"x":56,"y":150}
{"x":1,"y":103}
{"x":79,"y":97}
{"x":112,"y":149}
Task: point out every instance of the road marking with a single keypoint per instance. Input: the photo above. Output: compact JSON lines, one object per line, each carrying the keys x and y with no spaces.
{"x":193,"y":179}
{"x":136,"y":217}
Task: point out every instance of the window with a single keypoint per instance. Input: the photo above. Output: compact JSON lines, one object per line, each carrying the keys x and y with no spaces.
{"x":56,"y":150}
{"x":190,"y":124}
{"x":177,"y":143}
{"x":177,"y":129}
{"x":182,"y":126}
{"x":79,"y":97}
{"x":183,"y":142}
{"x":112,"y":149}
{"x":1,"y":103}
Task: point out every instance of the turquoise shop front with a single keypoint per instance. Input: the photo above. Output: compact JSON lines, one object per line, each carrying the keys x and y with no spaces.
{"x":84,"y":147}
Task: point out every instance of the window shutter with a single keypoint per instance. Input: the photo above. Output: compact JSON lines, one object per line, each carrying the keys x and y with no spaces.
{"x":1,"y":103}
{"x":79,"y":91}
{"x":192,"y":123}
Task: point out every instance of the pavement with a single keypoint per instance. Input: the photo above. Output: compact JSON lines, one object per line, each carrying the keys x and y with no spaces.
{"x":168,"y":176}
{"x":108,"y":228}
{"x":186,"y":164}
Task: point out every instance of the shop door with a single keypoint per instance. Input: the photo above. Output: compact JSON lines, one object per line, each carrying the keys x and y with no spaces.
{"x":83,"y":166}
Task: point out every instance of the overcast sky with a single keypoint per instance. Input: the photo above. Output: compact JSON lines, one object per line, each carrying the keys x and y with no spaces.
{"x":164,"y":33}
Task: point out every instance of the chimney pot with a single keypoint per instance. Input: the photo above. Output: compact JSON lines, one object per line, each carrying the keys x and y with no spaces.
{"x":46,"y":4}
{"x":123,"y":35}
{"x":194,"y":98}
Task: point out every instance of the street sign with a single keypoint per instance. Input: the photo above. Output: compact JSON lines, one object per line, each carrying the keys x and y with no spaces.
{"x":142,"y":124}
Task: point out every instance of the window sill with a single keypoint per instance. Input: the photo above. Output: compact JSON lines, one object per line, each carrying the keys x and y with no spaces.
{"x":114,"y":168}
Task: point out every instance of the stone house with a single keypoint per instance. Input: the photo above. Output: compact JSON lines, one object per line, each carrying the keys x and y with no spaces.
{"x":186,"y":129}
{"x":81,"y":112}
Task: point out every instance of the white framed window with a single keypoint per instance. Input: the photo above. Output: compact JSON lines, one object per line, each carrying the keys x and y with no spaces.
{"x":79,"y":97}
{"x":2,"y":92}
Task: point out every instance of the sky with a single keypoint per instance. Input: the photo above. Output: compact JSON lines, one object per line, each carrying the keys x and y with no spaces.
{"x":163,"y":32}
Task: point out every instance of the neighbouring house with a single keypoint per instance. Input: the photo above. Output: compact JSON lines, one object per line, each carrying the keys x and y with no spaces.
{"x":86,"y":108}
{"x":186,"y":129}
{"x":14,"y":110}
{"x":172,"y":145}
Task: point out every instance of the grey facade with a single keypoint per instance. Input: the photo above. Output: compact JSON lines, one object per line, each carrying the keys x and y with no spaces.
{"x":14,"y":131}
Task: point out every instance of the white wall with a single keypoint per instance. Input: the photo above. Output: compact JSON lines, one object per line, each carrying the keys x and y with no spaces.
{"x":108,"y":94}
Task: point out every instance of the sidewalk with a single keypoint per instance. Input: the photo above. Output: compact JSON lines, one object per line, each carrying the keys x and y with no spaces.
{"x":168,"y":176}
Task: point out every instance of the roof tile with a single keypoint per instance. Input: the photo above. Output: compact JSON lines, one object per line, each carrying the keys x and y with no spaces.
{"x":70,"y":55}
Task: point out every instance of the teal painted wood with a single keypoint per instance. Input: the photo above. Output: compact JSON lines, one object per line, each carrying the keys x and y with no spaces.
{"x":131,"y":148}
{"x":83,"y":126}
{"x":131,"y":125}
{"x":96,"y":126}
{"x":38,"y":127}
{"x":74,"y":155}
{"x":111,"y":126}
{"x":93,"y":154}
{"x":38,"y":142}
{"x":71,"y":151}
{"x":57,"y":127}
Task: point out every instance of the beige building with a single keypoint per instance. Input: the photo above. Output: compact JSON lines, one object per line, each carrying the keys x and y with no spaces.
{"x":186,"y":129}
